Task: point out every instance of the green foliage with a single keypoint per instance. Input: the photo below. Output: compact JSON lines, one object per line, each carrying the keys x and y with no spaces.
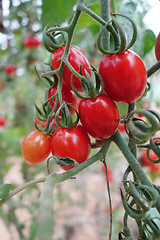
{"x":56,"y":12}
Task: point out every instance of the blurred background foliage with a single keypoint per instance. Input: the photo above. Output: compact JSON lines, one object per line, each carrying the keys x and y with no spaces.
{"x":21,"y":89}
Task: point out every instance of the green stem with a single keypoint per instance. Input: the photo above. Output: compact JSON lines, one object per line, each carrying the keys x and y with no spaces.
{"x":153,"y":69}
{"x":105,"y":15}
{"x":133,"y":163}
{"x":66,"y":175}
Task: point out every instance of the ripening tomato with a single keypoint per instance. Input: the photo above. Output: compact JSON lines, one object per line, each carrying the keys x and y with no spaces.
{"x":154,"y":167}
{"x":124,"y":76}
{"x":71,"y":142}
{"x":36,"y":147}
{"x":10,"y":69}
{"x":99,"y":116}
{"x":31,"y":42}
{"x":76,"y":59}
{"x":67,"y":95}
{"x":157,"y":47}
{"x":2,"y":121}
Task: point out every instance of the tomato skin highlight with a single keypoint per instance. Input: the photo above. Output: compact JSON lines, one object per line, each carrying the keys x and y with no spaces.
{"x":99,"y":116}
{"x":36,"y":147}
{"x":157,"y":47}
{"x":124,"y":76}
{"x":71,"y":142}
{"x":146,"y":162}
{"x":67,"y":95}
{"x":76,"y":59}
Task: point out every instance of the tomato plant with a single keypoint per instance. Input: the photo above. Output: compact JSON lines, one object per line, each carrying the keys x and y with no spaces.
{"x":77,"y":60}
{"x":146,"y":162}
{"x":67,"y":96}
{"x":71,"y":142}
{"x":122,"y":82}
{"x":157,"y":47}
{"x":10,"y":69}
{"x":36,"y":147}
{"x":99,"y":116}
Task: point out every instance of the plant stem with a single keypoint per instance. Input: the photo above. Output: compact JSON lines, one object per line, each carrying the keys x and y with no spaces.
{"x":133,"y":163}
{"x":63,"y":176}
{"x":105,"y":15}
{"x":153,"y":69}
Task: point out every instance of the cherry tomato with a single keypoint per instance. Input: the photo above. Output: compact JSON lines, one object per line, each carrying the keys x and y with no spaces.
{"x":144,"y":106}
{"x":36,"y":147}
{"x":153,"y":156}
{"x":31,"y":42}
{"x":10,"y":69}
{"x":76,"y":59}
{"x":67,"y":95}
{"x":99,"y":116}
{"x":124,"y":76}
{"x":157,"y":47}
{"x":71,"y":142}
{"x":2,"y":121}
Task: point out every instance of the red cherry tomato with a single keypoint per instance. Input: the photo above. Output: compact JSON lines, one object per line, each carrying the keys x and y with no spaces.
{"x":2,"y":121}
{"x":76,"y":59}
{"x":36,"y":147}
{"x":67,"y":95}
{"x":71,"y":142}
{"x":124,"y":76}
{"x":153,"y":156}
{"x":99,"y":116}
{"x":10,"y":69}
{"x":31,"y":42}
{"x":157,"y":47}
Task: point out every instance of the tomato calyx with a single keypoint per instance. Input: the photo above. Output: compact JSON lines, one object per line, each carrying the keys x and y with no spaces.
{"x":141,"y":131}
{"x":53,"y":40}
{"x":90,"y":90}
{"x":67,"y":162}
{"x":118,"y":35}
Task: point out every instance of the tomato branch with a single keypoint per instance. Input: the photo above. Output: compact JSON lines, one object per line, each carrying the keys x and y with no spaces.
{"x":63,"y":176}
{"x":153,"y":69}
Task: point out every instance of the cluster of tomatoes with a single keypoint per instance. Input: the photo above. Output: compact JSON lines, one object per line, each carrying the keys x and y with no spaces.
{"x":124,"y":76}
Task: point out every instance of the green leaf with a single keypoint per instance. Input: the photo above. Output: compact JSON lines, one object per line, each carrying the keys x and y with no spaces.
{"x":4,"y":190}
{"x":56,"y":11}
{"x":148,"y":41}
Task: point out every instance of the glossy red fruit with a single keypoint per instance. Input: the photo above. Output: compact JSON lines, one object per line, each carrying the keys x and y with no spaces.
{"x":10,"y":69}
{"x":36,"y":147}
{"x":99,"y":116}
{"x":2,"y":121}
{"x":157,"y":47}
{"x":71,"y":142}
{"x":67,"y":95}
{"x":153,"y":156}
{"x":76,"y":59}
{"x":31,"y":42}
{"x":124,"y":76}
